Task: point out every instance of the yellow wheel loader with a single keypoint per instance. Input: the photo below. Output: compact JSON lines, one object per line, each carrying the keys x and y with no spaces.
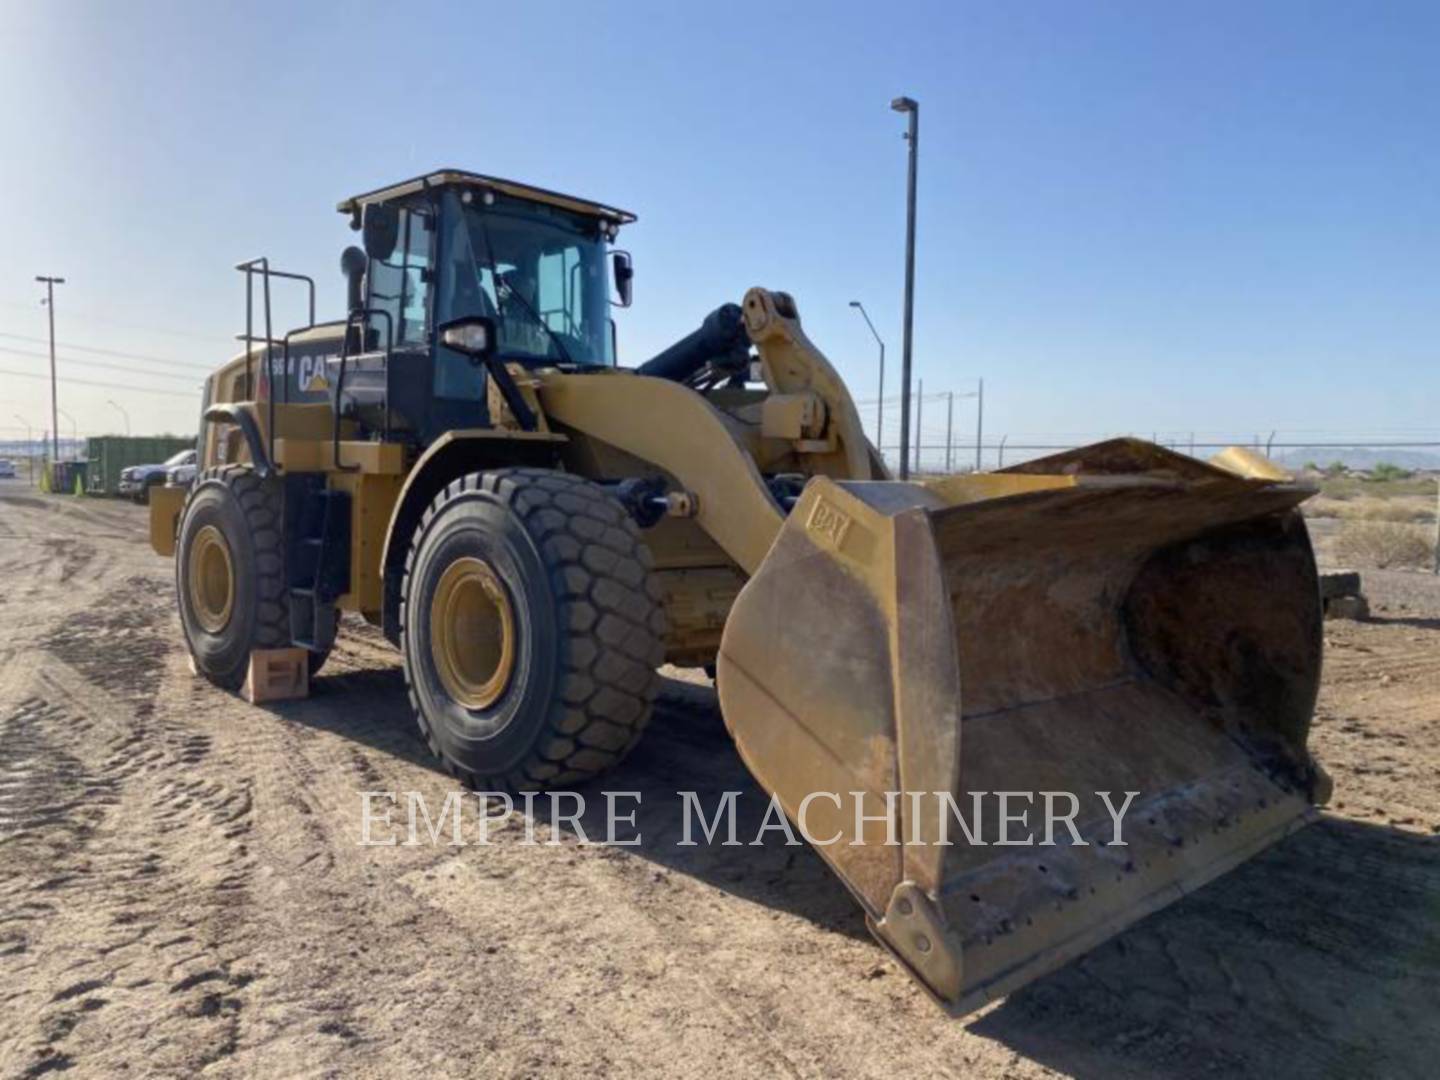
{"x":1121,"y":632}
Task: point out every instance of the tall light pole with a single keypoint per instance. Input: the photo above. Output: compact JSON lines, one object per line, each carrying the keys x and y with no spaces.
{"x":911,"y":106}
{"x":123,"y":413}
{"x":880,"y":401}
{"x":49,"y":302}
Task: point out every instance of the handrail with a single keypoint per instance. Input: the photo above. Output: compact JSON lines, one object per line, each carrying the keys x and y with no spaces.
{"x":261,"y":266}
{"x":263,"y":263}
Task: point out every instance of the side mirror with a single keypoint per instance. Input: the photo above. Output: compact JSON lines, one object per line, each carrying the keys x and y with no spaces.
{"x":381,"y":230}
{"x":352,"y":264}
{"x":473,"y":335}
{"x":624,"y":277}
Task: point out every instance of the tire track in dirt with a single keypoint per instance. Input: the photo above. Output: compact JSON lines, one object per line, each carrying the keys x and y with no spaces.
{"x":63,"y":555}
{"x":218,"y":911}
{"x":71,"y":818}
{"x":119,"y":646}
{"x":300,"y":782}
{"x":1383,"y":771}
{"x":150,"y":835}
{"x":1278,"y":969}
{"x":173,"y":896}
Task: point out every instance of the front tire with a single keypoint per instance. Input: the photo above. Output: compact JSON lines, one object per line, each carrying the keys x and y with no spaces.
{"x":531,"y":629}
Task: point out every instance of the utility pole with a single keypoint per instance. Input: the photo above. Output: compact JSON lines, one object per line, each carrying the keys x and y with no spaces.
{"x":123,"y":413}
{"x":49,"y":301}
{"x":880,"y":400}
{"x":979,"y":421}
{"x":1437,"y":524}
{"x":919,"y":405}
{"x":949,"y":428}
{"x":912,"y":135}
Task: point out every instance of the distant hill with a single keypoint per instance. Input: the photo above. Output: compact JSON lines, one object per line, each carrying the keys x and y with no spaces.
{"x":1363,"y":458}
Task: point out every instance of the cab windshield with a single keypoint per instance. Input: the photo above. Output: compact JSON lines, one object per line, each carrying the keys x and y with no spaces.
{"x":538,"y":272}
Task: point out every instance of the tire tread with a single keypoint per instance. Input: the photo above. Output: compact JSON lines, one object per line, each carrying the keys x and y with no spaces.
{"x":610,"y":618}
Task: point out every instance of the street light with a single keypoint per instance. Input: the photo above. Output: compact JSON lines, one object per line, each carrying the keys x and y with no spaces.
{"x":880,"y":403}
{"x":123,"y":413}
{"x":912,"y":135}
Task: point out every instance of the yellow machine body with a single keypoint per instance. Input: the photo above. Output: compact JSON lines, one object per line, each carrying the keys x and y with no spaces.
{"x":1117,"y":619}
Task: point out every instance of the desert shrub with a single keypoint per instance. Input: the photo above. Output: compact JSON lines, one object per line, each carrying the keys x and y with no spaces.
{"x":1385,"y":471}
{"x":1383,"y":544}
{"x":1335,"y":468}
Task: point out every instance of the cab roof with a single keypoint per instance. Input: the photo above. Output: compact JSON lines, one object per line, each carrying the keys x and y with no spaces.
{"x":461,"y":178}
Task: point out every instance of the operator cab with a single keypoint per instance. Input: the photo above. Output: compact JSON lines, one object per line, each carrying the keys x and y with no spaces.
{"x":451,"y":246}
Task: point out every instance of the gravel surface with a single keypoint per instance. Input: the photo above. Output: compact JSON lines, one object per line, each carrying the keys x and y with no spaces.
{"x":182,"y":891}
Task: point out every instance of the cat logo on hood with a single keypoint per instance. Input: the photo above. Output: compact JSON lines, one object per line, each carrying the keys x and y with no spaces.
{"x":310,"y":375}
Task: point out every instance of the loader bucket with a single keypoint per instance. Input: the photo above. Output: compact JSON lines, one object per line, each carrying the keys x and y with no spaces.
{"x":1116,"y":619}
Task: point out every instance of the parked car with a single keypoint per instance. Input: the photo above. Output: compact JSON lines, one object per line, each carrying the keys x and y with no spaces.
{"x":7,"y":469}
{"x":182,"y":475}
{"x":137,"y":480}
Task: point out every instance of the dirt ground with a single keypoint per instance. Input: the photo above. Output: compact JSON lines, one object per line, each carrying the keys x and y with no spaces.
{"x":181,"y":888}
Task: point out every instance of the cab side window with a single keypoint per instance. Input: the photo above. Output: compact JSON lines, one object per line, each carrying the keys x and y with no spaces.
{"x":400,"y":285}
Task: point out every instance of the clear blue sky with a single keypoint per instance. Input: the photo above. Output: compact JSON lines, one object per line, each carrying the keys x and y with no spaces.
{"x":1133,"y":216}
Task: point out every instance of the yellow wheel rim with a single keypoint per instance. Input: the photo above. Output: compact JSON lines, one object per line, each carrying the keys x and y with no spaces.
{"x":212,"y":579}
{"x":472,"y":633}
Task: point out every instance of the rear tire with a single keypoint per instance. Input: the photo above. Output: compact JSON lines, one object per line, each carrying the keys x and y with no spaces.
{"x":231,"y":508}
{"x":567,"y":692}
